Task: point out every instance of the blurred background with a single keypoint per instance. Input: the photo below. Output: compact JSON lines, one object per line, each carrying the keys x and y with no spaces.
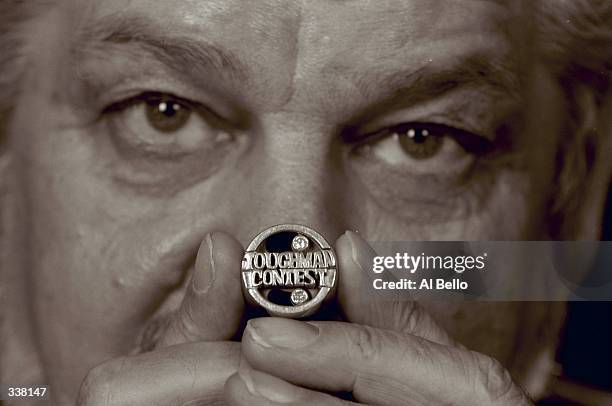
{"x":584,"y":375}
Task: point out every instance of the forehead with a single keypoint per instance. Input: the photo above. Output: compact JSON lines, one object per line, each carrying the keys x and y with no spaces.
{"x":337,"y":44}
{"x":324,"y":28}
{"x":346,"y":17}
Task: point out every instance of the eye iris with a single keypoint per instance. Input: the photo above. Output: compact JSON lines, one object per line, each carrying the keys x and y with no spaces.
{"x":167,"y":115}
{"x":420,"y":143}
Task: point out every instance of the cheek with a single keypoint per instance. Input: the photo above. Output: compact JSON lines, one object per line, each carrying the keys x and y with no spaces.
{"x":97,"y":258}
{"x":78,"y":302}
{"x":471,"y":218}
{"x":98,"y":271}
{"x":508,"y":203}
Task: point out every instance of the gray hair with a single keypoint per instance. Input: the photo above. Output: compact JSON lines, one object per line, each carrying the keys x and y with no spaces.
{"x":577,"y":38}
{"x":576,"y":43}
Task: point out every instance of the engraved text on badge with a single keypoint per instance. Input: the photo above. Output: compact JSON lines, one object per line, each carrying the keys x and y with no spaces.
{"x":289,"y":270}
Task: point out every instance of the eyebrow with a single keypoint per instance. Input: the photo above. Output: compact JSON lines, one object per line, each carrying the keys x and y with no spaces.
{"x":178,"y":52}
{"x":488,"y":73}
{"x":485,"y":71}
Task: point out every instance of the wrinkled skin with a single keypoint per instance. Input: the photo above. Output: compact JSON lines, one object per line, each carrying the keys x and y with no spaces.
{"x":109,"y":212}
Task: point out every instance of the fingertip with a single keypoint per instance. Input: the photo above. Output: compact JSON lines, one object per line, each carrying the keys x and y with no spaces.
{"x":224,"y":303}
{"x":234,"y":390}
{"x":219,"y":256}
{"x":355,"y":250}
{"x":213,"y":308}
{"x":226,"y":246}
{"x":343,"y":244}
{"x":355,"y":257}
{"x":226,"y":255}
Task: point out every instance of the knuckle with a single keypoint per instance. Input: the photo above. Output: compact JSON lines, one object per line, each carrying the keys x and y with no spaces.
{"x":364,"y":343}
{"x":96,"y":387}
{"x":412,"y":316}
{"x":493,"y":381}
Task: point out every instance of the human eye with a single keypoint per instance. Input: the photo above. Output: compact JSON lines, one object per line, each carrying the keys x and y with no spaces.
{"x":422,"y":148}
{"x":161,"y":143}
{"x":164,"y":125}
{"x":420,"y":170}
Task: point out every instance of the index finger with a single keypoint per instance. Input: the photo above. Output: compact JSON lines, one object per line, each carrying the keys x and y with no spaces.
{"x":378,"y":366}
{"x":170,"y":376}
{"x":213,"y":304}
{"x":397,"y":313}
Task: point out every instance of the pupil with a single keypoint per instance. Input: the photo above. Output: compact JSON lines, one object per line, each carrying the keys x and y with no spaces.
{"x":420,"y":136}
{"x":166,"y":115}
{"x":168,"y":109}
{"x":419,"y":143}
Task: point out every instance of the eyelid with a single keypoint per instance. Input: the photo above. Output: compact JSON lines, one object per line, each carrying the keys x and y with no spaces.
{"x":470,"y":141}
{"x":210,"y":116}
{"x":152,"y":95}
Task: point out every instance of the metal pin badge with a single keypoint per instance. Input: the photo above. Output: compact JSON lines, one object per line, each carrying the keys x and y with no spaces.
{"x":289,"y":270}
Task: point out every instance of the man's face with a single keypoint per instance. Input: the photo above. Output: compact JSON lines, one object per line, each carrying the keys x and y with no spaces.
{"x":144,"y":125}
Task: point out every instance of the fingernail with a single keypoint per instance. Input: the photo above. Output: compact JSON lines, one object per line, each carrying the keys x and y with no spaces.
{"x":361,"y":252}
{"x":285,"y":333}
{"x":266,"y":386}
{"x":204,"y":272}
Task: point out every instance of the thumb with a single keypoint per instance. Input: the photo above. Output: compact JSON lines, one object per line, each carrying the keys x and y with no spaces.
{"x":212,"y":306}
{"x":360,"y":305}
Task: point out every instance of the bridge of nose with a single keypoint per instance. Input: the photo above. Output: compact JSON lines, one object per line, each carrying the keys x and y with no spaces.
{"x":293,"y":174}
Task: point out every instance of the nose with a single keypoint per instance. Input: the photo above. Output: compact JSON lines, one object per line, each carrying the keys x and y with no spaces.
{"x":294,"y":176}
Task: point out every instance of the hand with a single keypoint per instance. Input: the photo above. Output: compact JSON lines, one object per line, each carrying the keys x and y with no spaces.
{"x":388,"y":353}
{"x":187,"y":358}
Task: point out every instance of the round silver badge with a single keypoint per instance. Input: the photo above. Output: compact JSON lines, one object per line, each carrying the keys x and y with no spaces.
{"x":289,"y":270}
